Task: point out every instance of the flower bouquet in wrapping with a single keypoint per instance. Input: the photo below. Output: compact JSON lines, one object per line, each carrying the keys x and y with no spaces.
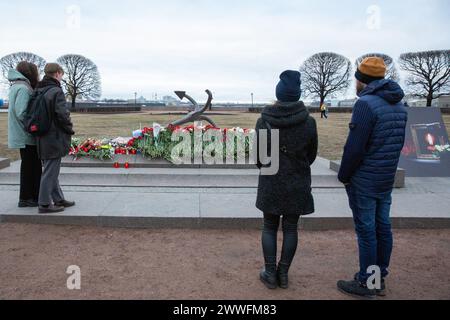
{"x":153,"y":143}
{"x":96,"y":149}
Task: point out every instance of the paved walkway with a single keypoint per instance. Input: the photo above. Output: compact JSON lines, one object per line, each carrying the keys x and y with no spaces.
{"x":422,"y":200}
{"x":210,"y":198}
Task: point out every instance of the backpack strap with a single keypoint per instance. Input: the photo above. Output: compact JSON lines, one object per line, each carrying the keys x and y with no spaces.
{"x":22,"y":82}
{"x":52,"y":110}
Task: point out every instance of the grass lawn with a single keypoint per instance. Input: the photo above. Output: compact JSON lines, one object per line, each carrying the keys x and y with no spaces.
{"x":332,"y":132}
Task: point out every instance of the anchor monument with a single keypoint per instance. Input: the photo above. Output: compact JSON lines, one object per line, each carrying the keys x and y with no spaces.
{"x":197,"y":114}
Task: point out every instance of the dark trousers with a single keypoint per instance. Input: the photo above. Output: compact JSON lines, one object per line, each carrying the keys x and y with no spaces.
{"x":323,"y":114}
{"x":373,"y":228}
{"x":50,"y":189}
{"x":30,"y":174}
{"x":269,"y":239}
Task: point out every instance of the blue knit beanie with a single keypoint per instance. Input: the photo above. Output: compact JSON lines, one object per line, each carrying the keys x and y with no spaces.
{"x":288,"y":89}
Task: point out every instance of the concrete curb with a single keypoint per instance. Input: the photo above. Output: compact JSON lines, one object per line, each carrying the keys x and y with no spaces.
{"x":308,"y":224}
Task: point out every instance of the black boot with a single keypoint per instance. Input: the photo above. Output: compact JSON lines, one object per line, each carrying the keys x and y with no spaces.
{"x":282,"y":275}
{"x":268,"y":275}
{"x":28,"y":204}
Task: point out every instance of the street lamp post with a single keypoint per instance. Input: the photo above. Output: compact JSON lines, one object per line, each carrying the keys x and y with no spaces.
{"x":252,"y":101}
{"x":135,"y":98}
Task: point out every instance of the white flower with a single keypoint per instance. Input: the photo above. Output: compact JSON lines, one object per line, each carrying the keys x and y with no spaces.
{"x":442,"y":149}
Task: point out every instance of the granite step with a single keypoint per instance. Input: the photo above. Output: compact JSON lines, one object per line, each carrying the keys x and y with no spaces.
{"x":235,"y":177}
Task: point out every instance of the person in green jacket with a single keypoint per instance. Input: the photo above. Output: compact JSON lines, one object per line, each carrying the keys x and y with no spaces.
{"x":24,"y":80}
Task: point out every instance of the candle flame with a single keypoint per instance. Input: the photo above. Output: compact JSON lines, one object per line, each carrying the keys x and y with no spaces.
{"x":430,"y":139}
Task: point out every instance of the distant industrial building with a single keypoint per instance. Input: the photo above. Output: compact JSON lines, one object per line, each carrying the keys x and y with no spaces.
{"x":444,"y":102}
{"x":140,"y":100}
{"x":417,"y":103}
{"x":348,"y":103}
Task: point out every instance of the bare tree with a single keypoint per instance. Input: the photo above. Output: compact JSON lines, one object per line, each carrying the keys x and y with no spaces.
{"x":12,"y":60}
{"x":392,"y":72}
{"x":428,"y":73}
{"x":326,"y":75}
{"x":81,"y":79}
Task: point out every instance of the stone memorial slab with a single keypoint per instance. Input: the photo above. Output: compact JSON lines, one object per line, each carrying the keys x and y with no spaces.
{"x":399,"y":177}
{"x":4,"y":163}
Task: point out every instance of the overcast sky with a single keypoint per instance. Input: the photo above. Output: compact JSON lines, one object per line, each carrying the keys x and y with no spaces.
{"x":231,"y":47}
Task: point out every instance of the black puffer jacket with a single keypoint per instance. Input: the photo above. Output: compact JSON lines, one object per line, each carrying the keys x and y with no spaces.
{"x":289,"y":191}
{"x":56,"y":143}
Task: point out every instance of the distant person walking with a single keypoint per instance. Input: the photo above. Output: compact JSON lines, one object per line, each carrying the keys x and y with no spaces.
{"x":56,"y":143}
{"x":369,"y":165}
{"x":324,"y":111}
{"x":287,"y":193}
{"x":24,"y":80}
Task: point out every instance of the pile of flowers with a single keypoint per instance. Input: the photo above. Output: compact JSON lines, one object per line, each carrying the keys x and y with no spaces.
{"x":151,"y":142}
{"x":96,"y":149}
{"x":441,"y":150}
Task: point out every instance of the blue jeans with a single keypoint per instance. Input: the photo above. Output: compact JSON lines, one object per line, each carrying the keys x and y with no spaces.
{"x":373,"y":228}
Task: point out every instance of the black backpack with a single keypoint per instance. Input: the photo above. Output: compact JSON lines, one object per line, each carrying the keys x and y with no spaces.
{"x":38,"y":121}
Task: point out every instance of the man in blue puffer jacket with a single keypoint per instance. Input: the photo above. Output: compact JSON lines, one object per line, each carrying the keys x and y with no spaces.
{"x":369,"y":166}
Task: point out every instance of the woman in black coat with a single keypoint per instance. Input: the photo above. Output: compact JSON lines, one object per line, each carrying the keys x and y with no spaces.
{"x":288,"y":192}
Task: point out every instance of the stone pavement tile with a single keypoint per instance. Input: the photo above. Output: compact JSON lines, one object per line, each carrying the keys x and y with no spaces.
{"x":87,"y":203}
{"x":331,"y":205}
{"x":9,"y":201}
{"x":154,"y":205}
{"x":427,"y":185}
{"x":226,"y":205}
{"x":424,"y":206}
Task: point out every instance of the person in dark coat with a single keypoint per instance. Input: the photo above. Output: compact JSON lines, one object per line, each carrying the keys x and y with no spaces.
{"x":55,"y":144}
{"x":369,"y":166}
{"x":288,"y":192}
